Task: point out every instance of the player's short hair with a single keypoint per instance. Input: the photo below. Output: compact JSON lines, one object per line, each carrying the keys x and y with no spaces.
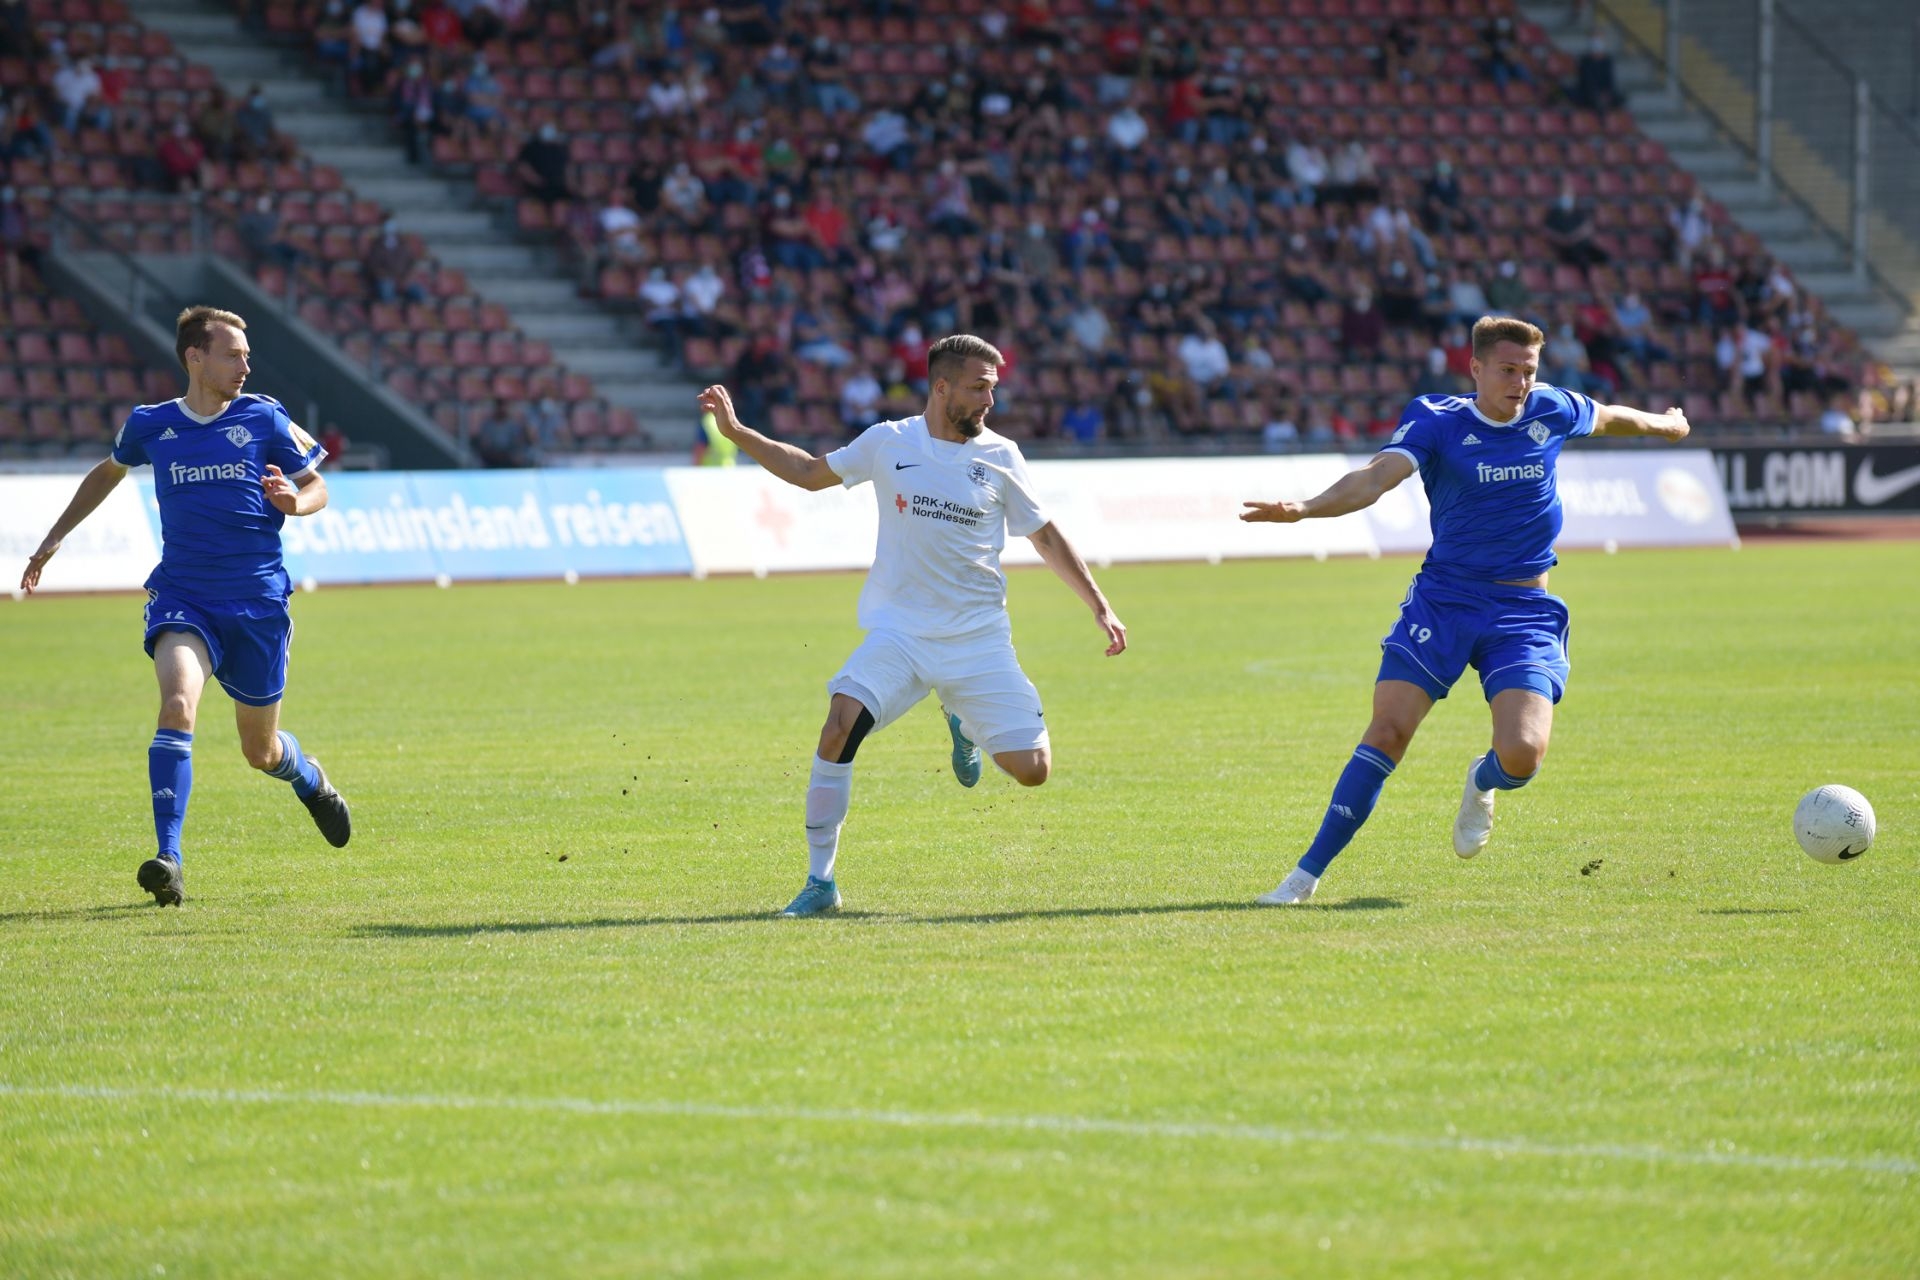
{"x":1490,"y":331}
{"x":193,"y":330}
{"x":947,"y":357}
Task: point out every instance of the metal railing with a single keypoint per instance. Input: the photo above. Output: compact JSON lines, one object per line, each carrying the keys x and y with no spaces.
{"x":145,"y":295}
{"x":1816,"y":128}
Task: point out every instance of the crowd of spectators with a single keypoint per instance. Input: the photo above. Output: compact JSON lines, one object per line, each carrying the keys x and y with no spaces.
{"x":1125,"y":199}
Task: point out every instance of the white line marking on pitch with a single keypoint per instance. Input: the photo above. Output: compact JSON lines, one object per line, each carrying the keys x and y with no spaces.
{"x":1159,"y":1129}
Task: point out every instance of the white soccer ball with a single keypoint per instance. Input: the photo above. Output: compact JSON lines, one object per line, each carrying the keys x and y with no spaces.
{"x":1834,"y":824}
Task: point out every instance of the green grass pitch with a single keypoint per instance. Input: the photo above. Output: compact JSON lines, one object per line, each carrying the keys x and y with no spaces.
{"x":535,"y":1020}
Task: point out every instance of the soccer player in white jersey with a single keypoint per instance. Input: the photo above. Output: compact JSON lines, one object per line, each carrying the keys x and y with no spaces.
{"x":935,"y":602}
{"x":1480,"y":597}
{"x":229,"y":467}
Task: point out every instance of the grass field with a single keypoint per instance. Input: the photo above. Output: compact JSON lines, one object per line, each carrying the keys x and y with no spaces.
{"x":536,"y":1019}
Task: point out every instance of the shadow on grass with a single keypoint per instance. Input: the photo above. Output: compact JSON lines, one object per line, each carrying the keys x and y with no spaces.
{"x":76,"y":913}
{"x":1751,"y":911}
{"x":402,"y":930}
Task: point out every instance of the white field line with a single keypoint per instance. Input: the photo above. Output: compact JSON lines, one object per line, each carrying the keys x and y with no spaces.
{"x":1162,"y":1130}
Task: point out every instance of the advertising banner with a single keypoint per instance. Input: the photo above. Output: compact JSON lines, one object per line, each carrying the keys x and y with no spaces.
{"x":1822,"y":479}
{"x":113,"y":550}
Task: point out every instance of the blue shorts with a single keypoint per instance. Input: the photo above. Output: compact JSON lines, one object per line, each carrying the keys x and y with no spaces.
{"x":1515,"y":637}
{"x":248,"y":640}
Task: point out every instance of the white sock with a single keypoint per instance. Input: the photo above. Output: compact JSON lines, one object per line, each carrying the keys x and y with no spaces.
{"x":828,"y":793}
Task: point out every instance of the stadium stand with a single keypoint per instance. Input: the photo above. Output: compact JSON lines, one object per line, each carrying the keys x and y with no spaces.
{"x":160,"y":162}
{"x":1209,"y":220}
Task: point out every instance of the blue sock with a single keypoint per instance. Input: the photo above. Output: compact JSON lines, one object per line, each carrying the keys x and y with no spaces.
{"x":1491,"y":777}
{"x":170,"y":776}
{"x":1353,"y":799}
{"x":295,"y":768}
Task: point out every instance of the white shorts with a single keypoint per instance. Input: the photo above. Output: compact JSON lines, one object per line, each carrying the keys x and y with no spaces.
{"x":977,"y":677}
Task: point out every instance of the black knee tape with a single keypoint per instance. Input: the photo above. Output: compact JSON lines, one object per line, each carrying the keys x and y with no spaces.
{"x":862,"y":726}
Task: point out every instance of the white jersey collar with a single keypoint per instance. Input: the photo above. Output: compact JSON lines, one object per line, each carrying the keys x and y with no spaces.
{"x":180,"y":403}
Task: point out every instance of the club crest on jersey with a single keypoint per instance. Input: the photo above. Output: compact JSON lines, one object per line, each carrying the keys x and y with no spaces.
{"x":977,"y":473}
{"x":238,"y":436}
{"x":1539,"y":431}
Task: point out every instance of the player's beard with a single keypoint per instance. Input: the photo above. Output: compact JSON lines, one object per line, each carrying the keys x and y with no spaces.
{"x":968,"y":425}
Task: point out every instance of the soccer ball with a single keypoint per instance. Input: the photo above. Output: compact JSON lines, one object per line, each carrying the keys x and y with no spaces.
{"x":1834,"y":824}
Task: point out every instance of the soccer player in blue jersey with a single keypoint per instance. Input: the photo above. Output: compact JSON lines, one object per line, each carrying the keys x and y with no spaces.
{"x":1480,"y":598}
{"x":228,"y":469}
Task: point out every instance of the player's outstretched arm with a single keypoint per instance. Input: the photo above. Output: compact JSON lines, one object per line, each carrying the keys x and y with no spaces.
{"x":1060,"y":557}
{"x":793,"y":464}
{"x":92,"y":492}
{"x":1354,"y":491}
{"x":1619,"y":420}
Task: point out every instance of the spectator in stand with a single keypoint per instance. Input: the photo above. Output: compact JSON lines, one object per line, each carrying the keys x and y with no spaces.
{"x":1593,"y":84}
{"x":1402,"y":299}
{"x":787,"y":235}
{"x":1570,"y":230}
{"x":779,"y":73}
{"x":333,"y":35}
{"x":1442,"y":204}
{"x":27,"y":135}
{"x":405,"y":38}
{"x":1690,"y":228}
{"x":1508,"y":293}
{"x":1715,"y":300}
{"x":826,"y":77}
{"x":1466,"y":300}
{"x":886,"y":136}
{"x":949,"y":201}
{"x":19,"y":38}
{"x":761,"y":377}
{"x":701,"y":293}
{"x":481,"y":93}
{"x":684,"y":197}
{"x":214,"y":125}
{"x":1204,"y":359}
{"x":182,"y":158}
{"x":440,"y":24}
{"x":620,"y":231}
{"x":1307,"y":166}
{"x":1500,"y":58}
{"x":367,"y":53}
{"x":77,"y":87}
{"x":542,"y":166}
{"x":1354,"y":179}
{"x":259,"y":230}
{"x":1083,"y":422}
{"x":413,"y":110}
{"x":450,"y":109}
{"x":335,"y":442}
{"x":16,"y":238}
{"x":1750,"y":367}
{"x":1126,"y":132}
{"x":660,"y":304}
{"x":254,"y":137}
{"x":827,"y":224}
{"x":606,"y":42}
{"x":860,"y":396}
{"x":546,"y":416}
{"x":388,"y":264}
{"x":503,"y":440}
{"x":1091,"y":332}
{"x":1362,"y":328}
{"x":1436,"y":379}
{"x":1633,"y":325}
{"x":1564,"y":361}
{"x":1836,"y":421}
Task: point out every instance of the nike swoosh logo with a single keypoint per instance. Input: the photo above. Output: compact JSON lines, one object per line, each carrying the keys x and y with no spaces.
{"x":1849,"y":854}
{"x":902,"y":466}
{"x":1872,"y":490}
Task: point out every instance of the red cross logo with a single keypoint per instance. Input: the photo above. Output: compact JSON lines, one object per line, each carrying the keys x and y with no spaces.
{"x":774,"y":518}
{"x":900,"y":503}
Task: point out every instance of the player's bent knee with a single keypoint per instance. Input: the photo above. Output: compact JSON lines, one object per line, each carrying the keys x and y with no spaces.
{"x":261,"y":756}
{"x":1028,"y":768}
{"x":176,"y":712}
{"x":1521,"y":759}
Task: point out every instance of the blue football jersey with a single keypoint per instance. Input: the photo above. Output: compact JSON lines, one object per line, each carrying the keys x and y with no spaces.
{"x":1496,"y":507}
{"x":220,"y":537}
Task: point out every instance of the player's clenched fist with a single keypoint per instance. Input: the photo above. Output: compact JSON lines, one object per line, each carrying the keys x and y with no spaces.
{"x":281,"y":492}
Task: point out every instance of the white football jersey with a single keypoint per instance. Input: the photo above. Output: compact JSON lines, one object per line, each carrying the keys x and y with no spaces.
{"x":945,"y":511}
